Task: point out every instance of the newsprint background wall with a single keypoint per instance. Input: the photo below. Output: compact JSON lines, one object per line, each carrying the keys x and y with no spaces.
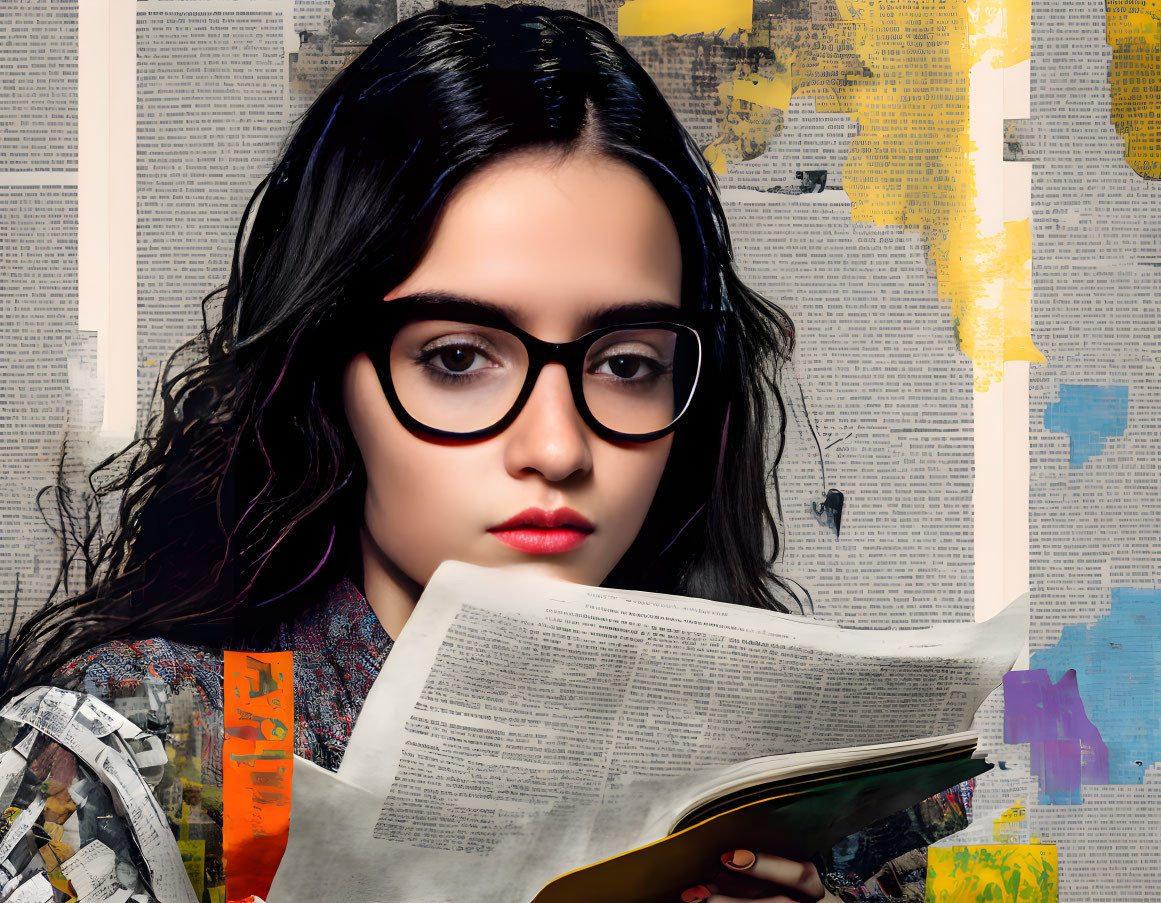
{"x":957,"y":201}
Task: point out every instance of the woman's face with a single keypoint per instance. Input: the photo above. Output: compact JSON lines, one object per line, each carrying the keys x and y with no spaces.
{"x":550,"y":242}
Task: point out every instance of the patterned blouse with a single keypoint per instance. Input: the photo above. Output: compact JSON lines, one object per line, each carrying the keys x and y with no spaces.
{"x":144,"y":721}
{"x":175,"y":693}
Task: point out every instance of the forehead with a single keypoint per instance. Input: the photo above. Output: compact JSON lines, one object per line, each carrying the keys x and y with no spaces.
{"x":552,"y":240}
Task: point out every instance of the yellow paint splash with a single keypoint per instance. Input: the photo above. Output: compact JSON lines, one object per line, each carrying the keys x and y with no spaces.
{"x":1133,"y":28}
{"x":1003,"y":873}
{"x":1002,"y":26}
{"x":765,"y":92}
{"x":901,"y":70}
{"x":193,"y":856}
{"x":1012,"y":825}
{"x":659,"y":17}
{"x":776,"y":58}
{"x":989,"y":284}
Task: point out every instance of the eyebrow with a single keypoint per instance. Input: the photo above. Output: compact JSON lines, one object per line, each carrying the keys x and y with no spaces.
{"x":611,"y":315}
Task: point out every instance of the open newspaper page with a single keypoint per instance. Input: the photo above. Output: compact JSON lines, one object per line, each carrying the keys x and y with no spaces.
{"x":523,"y":727}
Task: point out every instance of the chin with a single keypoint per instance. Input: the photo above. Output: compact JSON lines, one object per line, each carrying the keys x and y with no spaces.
{"x":545,"y":566}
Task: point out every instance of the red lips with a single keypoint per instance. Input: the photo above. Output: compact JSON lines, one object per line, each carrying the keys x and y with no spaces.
{"x":538,"y":517}
{"x":540,"y":532}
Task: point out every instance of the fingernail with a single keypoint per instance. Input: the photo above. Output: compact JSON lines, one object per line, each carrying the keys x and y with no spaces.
{"x":695,"y":894}
{"x":739,"y":859}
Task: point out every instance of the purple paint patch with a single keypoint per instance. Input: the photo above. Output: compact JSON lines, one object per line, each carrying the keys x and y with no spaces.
{"x":1067,"y":749}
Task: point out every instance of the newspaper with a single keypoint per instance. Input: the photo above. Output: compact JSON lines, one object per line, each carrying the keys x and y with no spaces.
{"x":523,"y":727}
{"x":894,"y":434}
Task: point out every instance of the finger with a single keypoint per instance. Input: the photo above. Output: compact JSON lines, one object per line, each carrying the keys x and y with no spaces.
{"x":703,"y":894}
{"x":791,"y":874}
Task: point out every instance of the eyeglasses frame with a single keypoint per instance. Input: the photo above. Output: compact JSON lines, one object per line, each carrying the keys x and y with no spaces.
{"x":391,"y":316}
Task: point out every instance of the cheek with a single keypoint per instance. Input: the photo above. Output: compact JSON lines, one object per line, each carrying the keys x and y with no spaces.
{"x":414,"y":506}
{"x":630,"y":480}
{"x":630,"y":488}
{"x":414,"y":493}
{"x":422,"y":501}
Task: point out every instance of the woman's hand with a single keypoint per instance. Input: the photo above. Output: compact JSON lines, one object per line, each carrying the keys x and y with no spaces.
{"x":772,"y":878}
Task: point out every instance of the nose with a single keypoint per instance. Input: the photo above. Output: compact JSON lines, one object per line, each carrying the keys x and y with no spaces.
{"x":549,"y":436}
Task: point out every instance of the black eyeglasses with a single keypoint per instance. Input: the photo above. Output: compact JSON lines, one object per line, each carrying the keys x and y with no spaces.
{"x":457,"y":370}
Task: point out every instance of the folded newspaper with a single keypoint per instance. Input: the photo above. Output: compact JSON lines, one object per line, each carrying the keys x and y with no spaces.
{"x":534,"y":739}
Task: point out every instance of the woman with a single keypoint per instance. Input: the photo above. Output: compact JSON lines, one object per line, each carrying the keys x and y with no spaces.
{"x":487,"y":251}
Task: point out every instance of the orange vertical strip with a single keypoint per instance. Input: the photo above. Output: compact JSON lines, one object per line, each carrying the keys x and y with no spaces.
{"x":257,"y":768}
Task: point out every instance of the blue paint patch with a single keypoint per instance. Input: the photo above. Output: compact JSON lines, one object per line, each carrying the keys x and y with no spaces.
{"x":1118,"y":674}
{"x":1089,"y":415}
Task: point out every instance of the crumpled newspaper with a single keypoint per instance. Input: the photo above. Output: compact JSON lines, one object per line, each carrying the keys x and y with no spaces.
{"x":78,"y":816}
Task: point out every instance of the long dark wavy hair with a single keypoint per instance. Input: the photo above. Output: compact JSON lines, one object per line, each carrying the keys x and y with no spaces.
{"x":242,"y":498}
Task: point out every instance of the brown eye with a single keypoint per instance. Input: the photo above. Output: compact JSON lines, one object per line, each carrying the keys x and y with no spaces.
{"x":624,"y":367}
{"x":457,"y":358}
{"x":629,"y":367}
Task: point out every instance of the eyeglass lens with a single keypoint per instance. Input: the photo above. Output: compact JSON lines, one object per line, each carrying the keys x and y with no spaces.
{"x":463,"y":377}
